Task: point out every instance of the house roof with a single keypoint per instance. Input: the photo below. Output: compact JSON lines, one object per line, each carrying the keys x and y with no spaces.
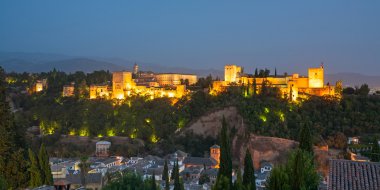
{"x":103,"y":142}
{"x":352,"y":175}
{"x":211,"y":172}
{"x":215,"y":146}
{"x":90,"y":178}
{"x":199,"y":161}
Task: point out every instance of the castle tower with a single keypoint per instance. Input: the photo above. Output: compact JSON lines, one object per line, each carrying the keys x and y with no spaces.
{"x":121,"y":81}
{"x":232,"y":73}
{"x":135,"y":69}
{"x":316,"y":77}
{"x":215,"y":154}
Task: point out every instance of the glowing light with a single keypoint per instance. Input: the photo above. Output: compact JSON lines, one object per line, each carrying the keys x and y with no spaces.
{"x":120,"y":96}
{"x":282,"y":116}
{"x":83,"y":132}
{"x":134,"y":134}
{"x":48,"y":128}
{"x":154,"y":138}
{"x":110,"y":132}
{"x":147,"y":120}
{"x":72,"y":132}
{"x":266,"y":110}
{"x":100,"y":135}
{"x":263,"y":118}
{"x":171,"y":94}
{"x":181,"y":123}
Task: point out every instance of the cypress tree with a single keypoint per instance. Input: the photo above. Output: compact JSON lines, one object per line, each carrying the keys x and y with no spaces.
{"x":278,"y":179}
{"x":275,"y":72}
{"x":301,"y":171}
{"x":225,"y":170}
{"x":83,"y":165}
{"x":43,"y":160}
{"x":249,"y":172}
{"x":254,"y":86}
{"x":239,"y":181}
{"x":172,"y":177}
{"x":165,"y":176}
{"x":177,"y":182}
{"x":153,"y":181}
{"x":256,"y":73}
{"x":34,"y":170}
{"x":305,"y":139}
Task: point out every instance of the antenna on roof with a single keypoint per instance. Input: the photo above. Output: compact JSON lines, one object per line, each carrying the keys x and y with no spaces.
{"x":322,"y":65}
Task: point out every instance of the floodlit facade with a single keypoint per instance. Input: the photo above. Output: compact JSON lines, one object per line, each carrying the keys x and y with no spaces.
{"x":99,"y":91}
{"x":291,"y":86}
{"x":172,"y":79}
{"x":232,"y":73}
{"x":68,"y":90}
{"x":121,"y":83}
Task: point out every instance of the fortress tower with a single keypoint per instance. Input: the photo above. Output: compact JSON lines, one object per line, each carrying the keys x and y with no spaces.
{"x":215,"y":154}
{"x":232,"y":73}
{"x":121,"y":81}
{"x":316,"y":77}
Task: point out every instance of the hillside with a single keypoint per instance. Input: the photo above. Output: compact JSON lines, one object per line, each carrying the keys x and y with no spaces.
{"x":262,"y":148}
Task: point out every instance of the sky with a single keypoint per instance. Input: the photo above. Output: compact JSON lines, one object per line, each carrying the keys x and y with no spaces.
{"x":288,"y":35}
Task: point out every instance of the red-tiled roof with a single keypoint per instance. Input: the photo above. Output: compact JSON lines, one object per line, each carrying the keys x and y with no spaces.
{"x":352,"y":175}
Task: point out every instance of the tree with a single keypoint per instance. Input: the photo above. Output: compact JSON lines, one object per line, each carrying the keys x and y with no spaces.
{"x":225,"y":170}
{"x":3,"y":184}
{"x":43,"y":160}
{"x":174,"y":170}
{"x":249,"y":172}
{"x":129,"y":181}
{"x":12,"y":155}
{"x":305,"y":139}
{"x":84,"y":166}
{"x":238,"y":185}
{"x":363,"y":90}
{"x":278,"y":179}
{"x":301,"y":171}
{"x":349,"y":91}
{"x":375,"y":153}
{"x":298,"y":173}
{"x":254,"y":87}
{"x":256,"y":73}
{"x":154,"y":185}
{"x":275,"y":72}
{"x":165,"y":176}
{"x":34,"y":170}
{"x":177,"y":181}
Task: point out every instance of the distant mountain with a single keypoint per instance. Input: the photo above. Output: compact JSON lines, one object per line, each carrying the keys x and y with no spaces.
{"x":354,"y":79}
{"x":67,"y":65}
{"x":42,"y":62}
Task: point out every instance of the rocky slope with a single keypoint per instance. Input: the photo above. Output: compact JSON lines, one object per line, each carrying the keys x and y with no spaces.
{"x":262,"y":148}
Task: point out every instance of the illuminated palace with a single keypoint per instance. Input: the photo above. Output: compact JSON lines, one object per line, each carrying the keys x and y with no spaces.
{"x":125,"y":83}
{"x":293,"y":86}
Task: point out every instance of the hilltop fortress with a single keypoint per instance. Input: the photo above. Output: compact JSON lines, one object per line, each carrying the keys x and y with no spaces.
{"x":292,"y":86}
{"x":173,"y":85}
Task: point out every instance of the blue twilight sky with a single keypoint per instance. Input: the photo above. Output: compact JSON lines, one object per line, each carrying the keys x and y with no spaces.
{"x":290,"y":35}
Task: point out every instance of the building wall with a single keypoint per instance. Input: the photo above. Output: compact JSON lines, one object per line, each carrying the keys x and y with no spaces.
{"x":38,"y":86}
{"x":98,"y":91}
{"x":232,"y":73}
{"x":316,"y":77}
{"x":215,"y":154}
{"x":173,"y":79}
{"x":121,"y":81}
{"x":68,"y":90}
